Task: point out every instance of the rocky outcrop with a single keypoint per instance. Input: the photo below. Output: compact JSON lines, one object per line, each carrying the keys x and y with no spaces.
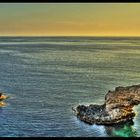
{"x":117,"y":108}
{"x":3,"y":97}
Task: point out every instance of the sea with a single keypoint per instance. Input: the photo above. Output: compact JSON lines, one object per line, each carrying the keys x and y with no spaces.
{"x":45,"y":77}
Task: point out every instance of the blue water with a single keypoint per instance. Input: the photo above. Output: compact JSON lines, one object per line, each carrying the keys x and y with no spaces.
{"x":46,"y":76}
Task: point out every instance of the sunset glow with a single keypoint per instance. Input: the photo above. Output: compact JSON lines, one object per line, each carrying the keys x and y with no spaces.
{"x":70,"y":19}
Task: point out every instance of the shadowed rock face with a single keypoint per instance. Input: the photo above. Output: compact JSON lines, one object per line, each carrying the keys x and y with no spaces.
{"x":117,"y":108}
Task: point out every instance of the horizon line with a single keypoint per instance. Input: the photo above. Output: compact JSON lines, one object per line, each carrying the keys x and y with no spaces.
{"x":68,"y":36}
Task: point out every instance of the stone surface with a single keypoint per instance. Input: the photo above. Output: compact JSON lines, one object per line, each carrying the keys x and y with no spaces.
{"x":117,"y":108}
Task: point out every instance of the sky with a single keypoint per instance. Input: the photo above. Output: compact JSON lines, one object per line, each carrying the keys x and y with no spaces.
{"x":70,"y":19}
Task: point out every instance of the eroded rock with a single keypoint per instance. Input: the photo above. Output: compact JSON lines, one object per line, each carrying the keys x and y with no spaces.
{"x":117,"y":108}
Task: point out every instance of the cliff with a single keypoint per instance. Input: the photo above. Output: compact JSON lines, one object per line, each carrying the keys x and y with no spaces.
{"x":118,"y":107}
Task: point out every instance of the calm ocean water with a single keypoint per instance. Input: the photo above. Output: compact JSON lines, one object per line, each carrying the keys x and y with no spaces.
{"x":46,"y":76}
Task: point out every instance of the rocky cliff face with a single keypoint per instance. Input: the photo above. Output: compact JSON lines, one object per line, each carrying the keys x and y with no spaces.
{"x":118,"y":107}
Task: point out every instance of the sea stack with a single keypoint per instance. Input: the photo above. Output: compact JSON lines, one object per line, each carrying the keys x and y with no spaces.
{"x":117,"y":108}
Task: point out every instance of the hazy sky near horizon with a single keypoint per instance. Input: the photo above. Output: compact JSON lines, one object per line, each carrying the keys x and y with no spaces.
{"x":111,"y":19}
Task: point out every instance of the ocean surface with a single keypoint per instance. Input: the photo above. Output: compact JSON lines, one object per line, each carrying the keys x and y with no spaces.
{"x":46,"y":76}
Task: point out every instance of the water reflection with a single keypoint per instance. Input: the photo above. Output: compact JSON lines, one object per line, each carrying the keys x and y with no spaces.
{"x":0,"y":110}
{"x":121,"y":130}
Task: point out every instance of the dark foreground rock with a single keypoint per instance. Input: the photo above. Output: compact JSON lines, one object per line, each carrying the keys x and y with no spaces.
{"x":117,"y":108}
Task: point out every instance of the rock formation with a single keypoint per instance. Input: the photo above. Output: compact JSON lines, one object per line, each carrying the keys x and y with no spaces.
{"x":117,"y":108}
{"x":3,"y":97}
